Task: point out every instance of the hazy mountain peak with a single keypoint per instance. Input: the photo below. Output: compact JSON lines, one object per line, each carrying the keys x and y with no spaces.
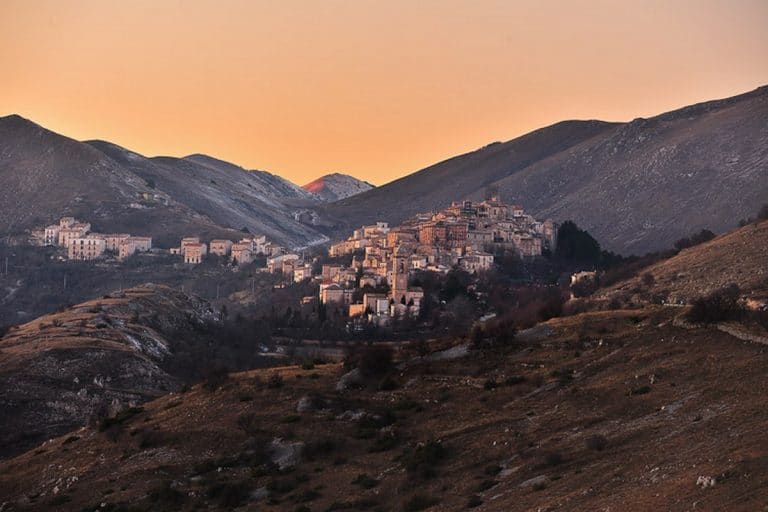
{"x":336,"y":186}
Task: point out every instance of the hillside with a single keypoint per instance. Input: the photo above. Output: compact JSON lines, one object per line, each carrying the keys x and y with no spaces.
{"x":636,"y":186}
{"x":103,"y":354}
{"x":336,"y":186}
{"x":267,"y":184}
{"x":740,"y":257}
{"x":44,"y":175}
{"x":602,"y":411}
{"x":226,"y":194}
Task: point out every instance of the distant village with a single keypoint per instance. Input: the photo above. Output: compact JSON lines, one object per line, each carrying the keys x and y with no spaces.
{"x":462,"y":235}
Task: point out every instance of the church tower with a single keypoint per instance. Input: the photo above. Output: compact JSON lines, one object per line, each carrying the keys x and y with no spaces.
{"x":399,"y":274}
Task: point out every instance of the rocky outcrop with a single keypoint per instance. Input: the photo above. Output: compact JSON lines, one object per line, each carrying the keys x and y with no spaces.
{"x":89,"y":361}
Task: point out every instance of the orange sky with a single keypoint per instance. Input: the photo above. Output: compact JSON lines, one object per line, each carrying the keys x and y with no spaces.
{"x":375,"y":89}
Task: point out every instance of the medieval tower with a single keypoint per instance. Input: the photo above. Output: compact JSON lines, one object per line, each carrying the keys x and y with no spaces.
{"x":399,"y":274}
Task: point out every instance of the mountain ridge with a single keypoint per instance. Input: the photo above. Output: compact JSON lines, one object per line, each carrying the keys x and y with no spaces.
{"x":637,"y":186}
{"x":45,"y":175}
{"x":630,"y":184}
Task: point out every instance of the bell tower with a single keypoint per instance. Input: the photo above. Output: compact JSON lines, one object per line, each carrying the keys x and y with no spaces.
{"x":399,"y":274}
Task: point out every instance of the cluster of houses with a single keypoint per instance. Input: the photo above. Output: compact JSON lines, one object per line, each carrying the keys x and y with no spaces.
{"x":454,"y":234}
{"x":243,"y":252}
{"x":81,"y":244}
{"x":460,"y":235}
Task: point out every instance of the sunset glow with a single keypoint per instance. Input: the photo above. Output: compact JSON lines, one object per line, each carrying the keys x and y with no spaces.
{"x":374,"y":89}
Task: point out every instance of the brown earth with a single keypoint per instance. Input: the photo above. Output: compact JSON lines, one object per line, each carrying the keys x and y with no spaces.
{"x":616,"y":410}
{"x":740,"y":257}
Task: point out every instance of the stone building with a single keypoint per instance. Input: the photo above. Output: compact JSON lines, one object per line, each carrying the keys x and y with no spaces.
{"x":51,"y":236}
{"x":302,"y":272}
{"x":72,"y":231}
{"x":242,"y":253}
{"x":220,"y":247}
{"x":400,"y":293}
{"x":280,"y":263}
{"x":88,"y":248}
{"x":477,"y":262}
{"x":455,"y":234}
{"x":133,"y":244}
{"x":194,"y":253}
{"x":113,"y":240}
{"x":331,"y":293}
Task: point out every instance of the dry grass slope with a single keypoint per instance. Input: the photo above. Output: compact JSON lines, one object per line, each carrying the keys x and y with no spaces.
{"x":612,"y":410}
{"x":740,"y":256}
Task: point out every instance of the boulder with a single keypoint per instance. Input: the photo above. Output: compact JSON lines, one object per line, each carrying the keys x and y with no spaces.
{"x":285,"y":454}
{"x":536,"y":482}
{"x":350,"y":380}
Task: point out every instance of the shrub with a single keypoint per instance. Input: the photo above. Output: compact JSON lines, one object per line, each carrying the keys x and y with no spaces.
{"x":513,"y":380}
{"x":388,"y":383}
{"x":419,"y":502}
{"x":474,"y":501}
{"x":229,"y":494}
{"x":165,"y":495}
{"x":307,"y":496}
{"x":365,"y":481}
{"x":476,"y":336}
{"x":584,"y":287}
{"x":424,"y":458}
{"x":368,"y":426}
{"x":553,"y":459}
{"x":61,"y":499}
{"x":761,"y":317}
{"x":486,"y":484}
{"x":275,"y":381}
{"x":215,"y":378}
{"x":371,"y":360}
{"x":719,"y":306}
{"x":385,"y":442}
{"x":503,"y":331}
{"x":648,"y":279}
{"x":596,"y":442}
{"x":642,"y":390}
{"x":151,"y":439}
{"x":702,"y":236}
{"x":322,"y":447}
{"x":407,"y":404}
{"x":576,"y":245}
{"x":119,"y":418}
{"x":367,"y":503}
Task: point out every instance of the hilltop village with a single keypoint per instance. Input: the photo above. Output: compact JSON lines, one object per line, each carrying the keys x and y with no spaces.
{"x":463,"y":235}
